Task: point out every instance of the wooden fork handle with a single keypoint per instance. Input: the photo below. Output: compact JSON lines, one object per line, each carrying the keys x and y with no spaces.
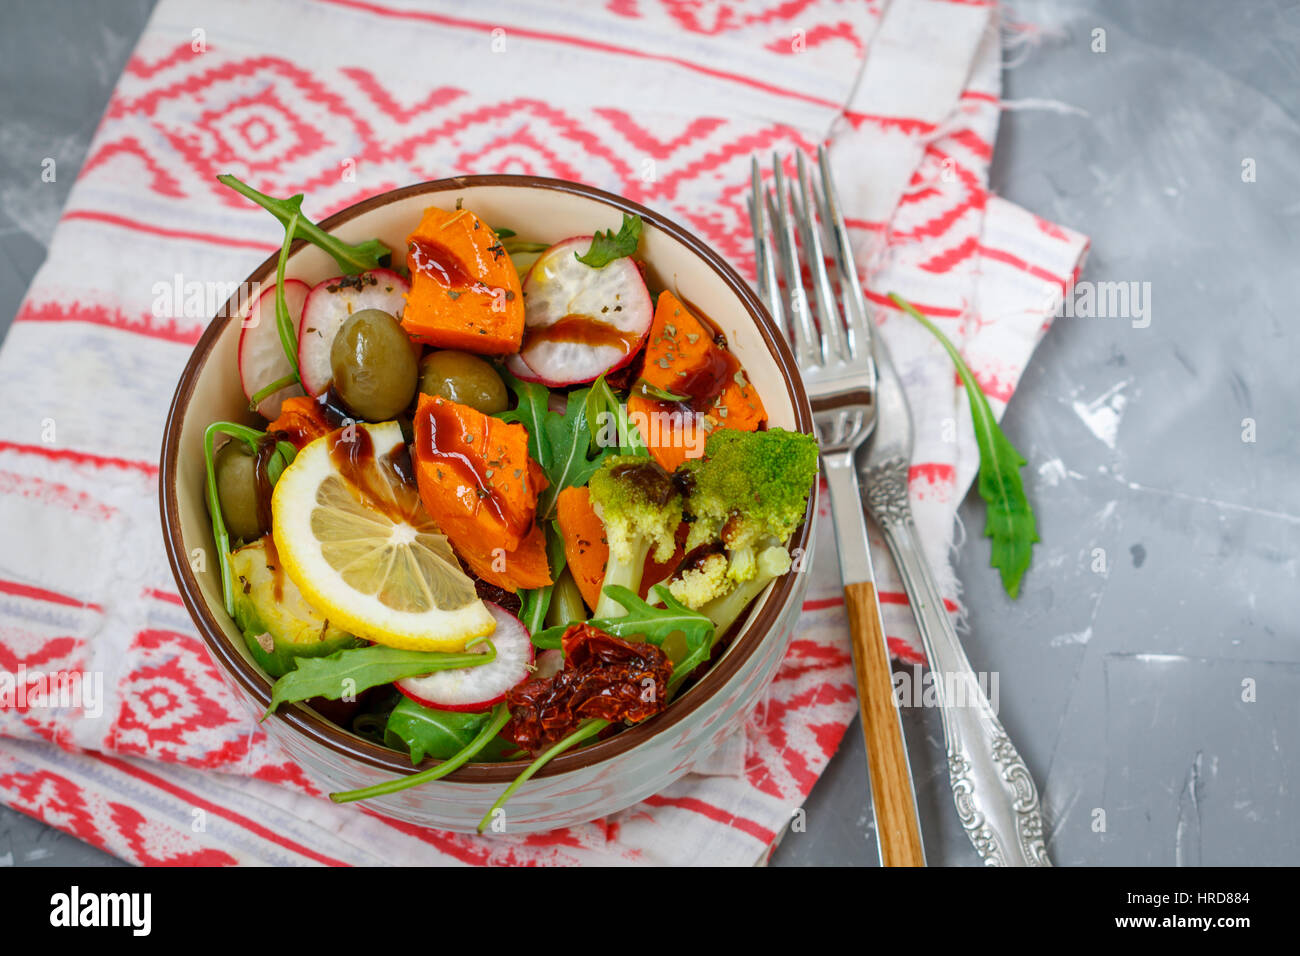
{"x":897,"y":827}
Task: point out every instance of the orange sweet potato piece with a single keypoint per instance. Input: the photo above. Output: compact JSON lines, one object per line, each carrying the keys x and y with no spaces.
{"x":465,"y":292}
{"x":475,"y":477}
{"x":681,"y":357}
{"x":671,"y":434}
{"x":587,"y":553}
{"x":524,"y":568}
{"x":301,"y":420}
{"x":585,"y":549}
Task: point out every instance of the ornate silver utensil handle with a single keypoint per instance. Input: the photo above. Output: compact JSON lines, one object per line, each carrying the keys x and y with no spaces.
{"x":996,"y":799}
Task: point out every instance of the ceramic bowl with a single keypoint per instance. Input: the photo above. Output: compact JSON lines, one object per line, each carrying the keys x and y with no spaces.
{"x":596,"y":780}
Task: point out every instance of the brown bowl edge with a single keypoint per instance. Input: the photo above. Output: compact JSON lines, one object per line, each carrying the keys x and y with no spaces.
{"x":335,"y":738}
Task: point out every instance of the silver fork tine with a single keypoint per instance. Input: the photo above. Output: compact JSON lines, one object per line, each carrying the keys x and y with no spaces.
{"x":758,"y":223}
{"x":807,"y":344}
{"x":855,"y":305}
{"x":777,"y":260}
{"x":834,"y":347}
{"x":764,"y":262}
{"x":841,"y":393}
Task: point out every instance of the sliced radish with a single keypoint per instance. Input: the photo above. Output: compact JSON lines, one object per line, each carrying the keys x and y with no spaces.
{"x":549,"y":663}
{"x":474,"y":689}
{"x":261,"y":354}
{"x":580,"y":321}
{"x":328,"y":307}
{"x":517,"y":367}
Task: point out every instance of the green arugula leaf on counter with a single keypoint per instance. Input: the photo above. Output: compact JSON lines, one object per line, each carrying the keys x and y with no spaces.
{"x":1009,"y":519}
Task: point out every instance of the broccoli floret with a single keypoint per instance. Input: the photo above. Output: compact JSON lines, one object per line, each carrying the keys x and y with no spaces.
{"x":749,"y":489}
{"x":640,"y":506}
{"x":696,"y":587}
{"x":748,"y":493}
{"x":768,"y":564}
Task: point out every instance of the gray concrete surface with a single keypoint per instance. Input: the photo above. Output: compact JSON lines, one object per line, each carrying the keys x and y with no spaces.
{"x":1150,"y":671}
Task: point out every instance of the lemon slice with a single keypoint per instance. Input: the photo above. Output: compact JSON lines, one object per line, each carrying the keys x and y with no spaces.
{"x":352,"y":535}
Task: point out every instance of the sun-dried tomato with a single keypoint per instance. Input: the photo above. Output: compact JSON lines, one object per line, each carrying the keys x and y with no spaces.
{"x":603,"y":677}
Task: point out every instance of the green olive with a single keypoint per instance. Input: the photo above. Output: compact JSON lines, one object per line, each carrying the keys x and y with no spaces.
{"x":235,"y":466}
{"x":464,"y":378}
{"x":374,"y":368}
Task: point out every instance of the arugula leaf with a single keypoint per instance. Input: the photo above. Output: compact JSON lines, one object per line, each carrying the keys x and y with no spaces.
{"x":279,"y":461}
{"x":426,"y":731}
{"x":601,"y":400}
{"x":352,"y":670}
{"x":284,"y":455}
{"x":484,"y":740}
{"x":1008,"y":517}
{"x":569,"y":437}
{"x":607,"y":246}
{"x":275,"y":386}
{"x":561,"y":444}
{"x":532,"y":413}
{"x":283,"y":321}
{"x":533,"y":605}
{"x":654,"y":624}
{"x":521,"y":246}
{"x":371,"y":725}
{"x":686,"y":667}
{"x":655,"y":392}
{"x":585,"y":730}
{"x":643,"y":622}
{"x":351,"y":258}
{"x":537,"y":601}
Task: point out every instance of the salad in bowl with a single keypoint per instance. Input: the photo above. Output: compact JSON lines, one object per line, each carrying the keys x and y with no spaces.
{"x":495,"y":506}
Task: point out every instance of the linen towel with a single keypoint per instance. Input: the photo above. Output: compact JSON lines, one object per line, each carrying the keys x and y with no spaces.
{"x":659,"y":100}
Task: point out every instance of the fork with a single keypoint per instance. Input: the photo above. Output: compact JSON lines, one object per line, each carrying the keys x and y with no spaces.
{"x":840,"y":375}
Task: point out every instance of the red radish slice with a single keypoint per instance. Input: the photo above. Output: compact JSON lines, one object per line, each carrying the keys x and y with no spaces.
{"x":473,"y":689}
{"x":261,"y":354}
{"x":517,"y":367}
{"x":549,"y":663}
{"x":328,"y":307}
{"x":580,"y":321}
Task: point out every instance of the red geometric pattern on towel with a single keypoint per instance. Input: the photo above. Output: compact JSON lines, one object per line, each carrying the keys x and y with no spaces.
{"x":663,"y":101}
